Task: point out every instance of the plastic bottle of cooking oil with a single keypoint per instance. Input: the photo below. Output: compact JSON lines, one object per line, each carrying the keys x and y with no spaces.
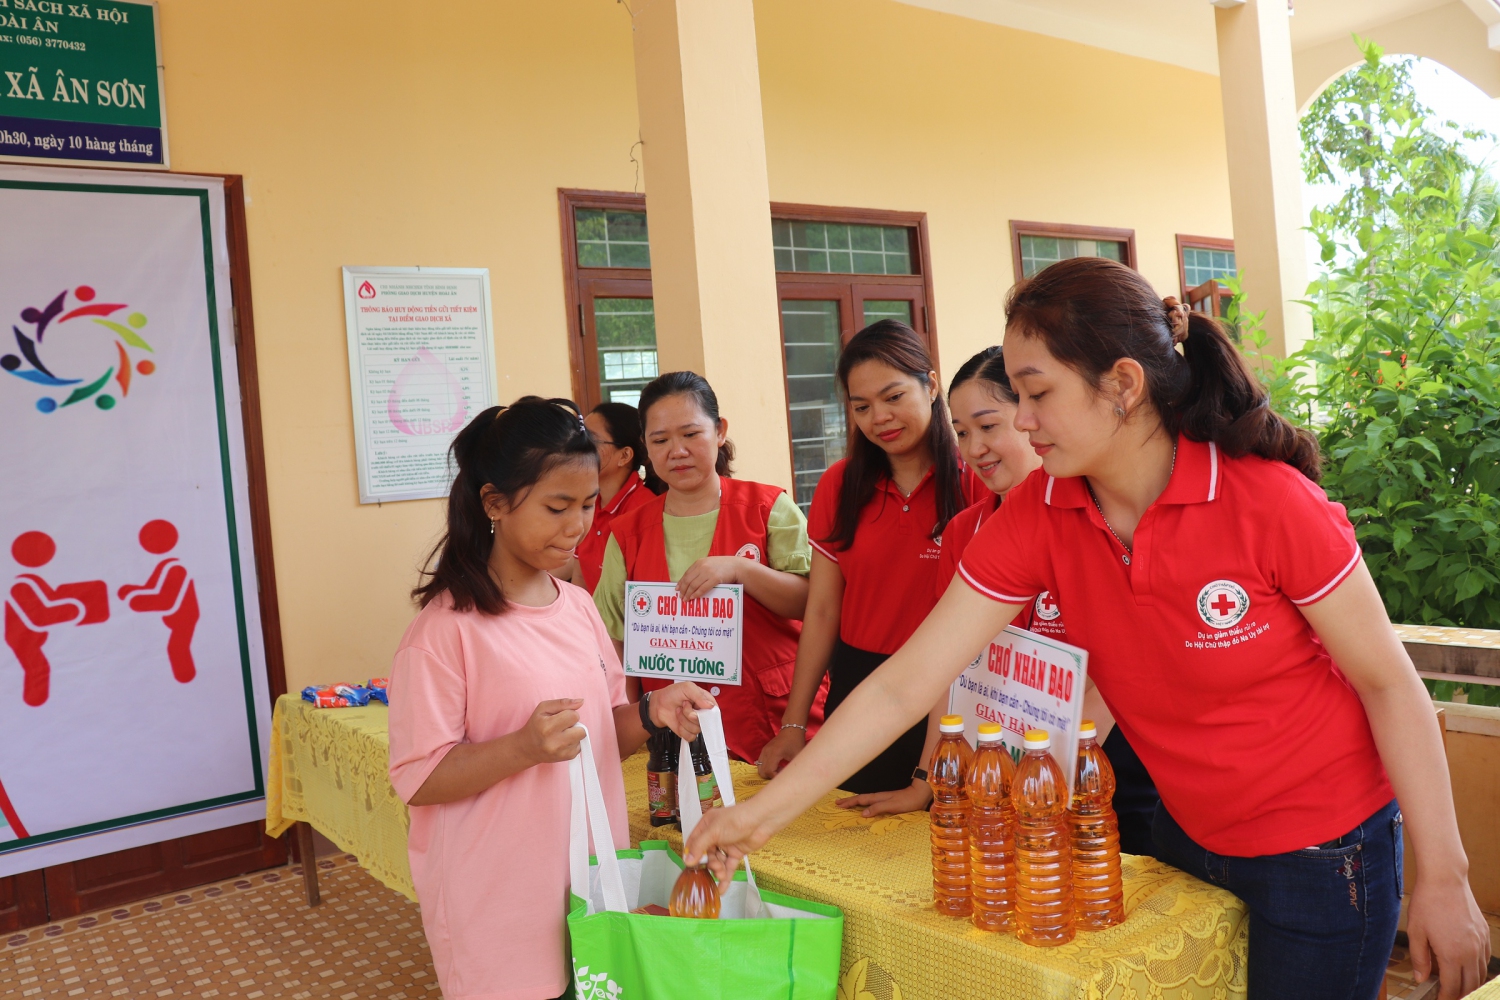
{"x":1098,"y":892}
{"x":992,"y":830}
{"x":950,"y":819}
{"x":695,"y":894}
{"x":1044,"y":870}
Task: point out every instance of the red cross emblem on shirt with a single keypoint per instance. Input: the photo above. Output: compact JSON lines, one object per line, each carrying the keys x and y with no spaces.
{"x":1223,"y":605}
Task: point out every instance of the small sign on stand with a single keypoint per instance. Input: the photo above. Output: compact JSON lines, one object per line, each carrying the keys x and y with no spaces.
{"x":1023,"y":681}
{"x":670,"y":638}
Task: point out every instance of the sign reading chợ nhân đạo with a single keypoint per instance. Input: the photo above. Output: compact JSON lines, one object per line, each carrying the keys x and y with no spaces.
{"x":670,"y":638}
{"x":1023,"y":681}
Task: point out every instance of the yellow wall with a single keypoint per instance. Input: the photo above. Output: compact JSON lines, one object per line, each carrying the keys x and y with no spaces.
{"x":386,"y":133}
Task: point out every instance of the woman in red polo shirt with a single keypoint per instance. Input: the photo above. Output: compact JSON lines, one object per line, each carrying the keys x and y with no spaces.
{"x":616,"y":431}
{"x":1231,"y":626}
{"x":709,"y":529}
{"x":875,"y":521}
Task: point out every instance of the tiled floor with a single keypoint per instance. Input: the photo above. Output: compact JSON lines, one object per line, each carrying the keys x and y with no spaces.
{"x":249,"y":937}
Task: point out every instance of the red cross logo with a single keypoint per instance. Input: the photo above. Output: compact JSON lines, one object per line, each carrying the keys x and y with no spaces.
{"x":642,"y":603}
{"x":1046,"y":606}
{"x":1222,"y":604}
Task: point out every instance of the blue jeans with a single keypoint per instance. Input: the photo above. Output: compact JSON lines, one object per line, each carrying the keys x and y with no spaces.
{"x":1322,"y":920}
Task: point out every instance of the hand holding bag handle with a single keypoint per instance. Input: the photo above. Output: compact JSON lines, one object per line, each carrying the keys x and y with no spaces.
{"x":588,"y":813}
{"x":690,"y":809}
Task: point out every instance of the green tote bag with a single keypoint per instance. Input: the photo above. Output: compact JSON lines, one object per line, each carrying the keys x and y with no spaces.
{"x":764,"y":946}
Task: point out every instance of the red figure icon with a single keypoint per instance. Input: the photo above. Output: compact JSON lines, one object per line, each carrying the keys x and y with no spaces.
{"x":32,"y":607}
{"x":171,"y":590}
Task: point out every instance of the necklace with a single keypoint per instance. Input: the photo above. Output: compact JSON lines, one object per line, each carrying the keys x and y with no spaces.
{"x":1100,"y":508}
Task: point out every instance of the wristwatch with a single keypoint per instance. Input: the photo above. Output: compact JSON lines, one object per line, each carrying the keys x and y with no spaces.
{"x":920,"y":774}
{"x":645,"y":708}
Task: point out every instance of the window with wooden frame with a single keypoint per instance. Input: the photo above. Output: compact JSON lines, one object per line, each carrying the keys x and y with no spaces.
{"x":1203,"y":262}
{"x":1034,"y":245}
{"x":837,"y":271}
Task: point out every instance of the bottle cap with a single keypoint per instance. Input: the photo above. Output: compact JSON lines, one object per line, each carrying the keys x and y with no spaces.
{"x":1038,"y":739}
{"x":1086,"y":730}
{"x":951,"y":724}
{"x":989,"y":732}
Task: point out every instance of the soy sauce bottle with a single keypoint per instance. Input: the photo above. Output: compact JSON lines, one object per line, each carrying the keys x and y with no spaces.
{"x":708,"y":787}
{"x":661,"y":778}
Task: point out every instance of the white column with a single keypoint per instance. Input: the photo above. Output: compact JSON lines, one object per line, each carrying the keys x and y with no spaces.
{"x":1265,"y":169}
{"x":708,"y":199}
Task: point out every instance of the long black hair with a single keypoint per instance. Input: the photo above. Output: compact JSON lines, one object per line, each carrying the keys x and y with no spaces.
{"x":893,"y":343}
{"x":624,"y":423}
{"x":1091,"y":312}
{"x":988,"y":366}
{"x":694,"y":385}
{"x":509,"y":448}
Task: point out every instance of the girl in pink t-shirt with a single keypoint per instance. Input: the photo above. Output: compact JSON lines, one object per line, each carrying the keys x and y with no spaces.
{"x":489,"y":688}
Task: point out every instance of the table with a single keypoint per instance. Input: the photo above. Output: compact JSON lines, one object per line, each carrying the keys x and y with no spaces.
{"x":329,"y":768}
{"x":1182,"y":938}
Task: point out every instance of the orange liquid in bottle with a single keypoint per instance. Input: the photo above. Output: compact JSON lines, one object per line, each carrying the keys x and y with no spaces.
{"x":1044,"y":858}
{"x":992,"y":825}
{"x":950,"y":820}
{"x":695,"y":894}
{"x":1098,"y":890}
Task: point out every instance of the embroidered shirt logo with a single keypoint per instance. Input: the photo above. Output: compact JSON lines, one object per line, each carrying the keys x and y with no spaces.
{"x":1047,"y":608}
{"x":1222,"y":603}
{"x":749,"y":551}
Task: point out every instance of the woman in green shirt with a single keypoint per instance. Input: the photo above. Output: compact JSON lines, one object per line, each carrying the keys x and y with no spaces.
{"x":709,"y":529}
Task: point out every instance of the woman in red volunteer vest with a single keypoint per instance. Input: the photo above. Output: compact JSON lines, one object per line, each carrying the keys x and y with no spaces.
{"x":616,"y":431}
{"x":706,"y":530}
{"x":1231,"y":625}
{"x":875,"y":522}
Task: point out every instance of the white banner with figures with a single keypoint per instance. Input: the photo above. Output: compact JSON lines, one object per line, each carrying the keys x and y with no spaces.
{"x":670,"y":638}
{"x":1025,"y":681}
{"x":133,"y":701}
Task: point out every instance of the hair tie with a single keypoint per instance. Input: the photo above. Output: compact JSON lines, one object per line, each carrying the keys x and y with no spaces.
{"x":1177,"y":318}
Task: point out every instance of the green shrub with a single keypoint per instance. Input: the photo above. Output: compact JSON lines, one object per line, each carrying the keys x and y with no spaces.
{"x":1401,"y":379}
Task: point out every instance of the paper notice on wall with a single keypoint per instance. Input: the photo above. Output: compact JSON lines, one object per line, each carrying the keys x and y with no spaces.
{"x":421,"y":365}
{"x":1023,"y":681}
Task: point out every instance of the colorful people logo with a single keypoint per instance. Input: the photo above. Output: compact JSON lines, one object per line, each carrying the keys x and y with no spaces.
{"x":168,"y":590}
{"x":29,"y":363}
{"x":32,"y":607}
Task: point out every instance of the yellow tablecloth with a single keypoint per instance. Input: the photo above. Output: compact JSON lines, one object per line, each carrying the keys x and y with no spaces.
{"x":329,"y":768}
{"x":1181,"y":940}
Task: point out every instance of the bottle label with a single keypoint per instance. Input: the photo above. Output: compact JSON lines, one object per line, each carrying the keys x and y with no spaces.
{"x":661,"y":788}
{"x":708,"y":792}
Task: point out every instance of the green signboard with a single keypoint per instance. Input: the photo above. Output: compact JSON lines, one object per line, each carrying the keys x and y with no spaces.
{"x":81,"y":82}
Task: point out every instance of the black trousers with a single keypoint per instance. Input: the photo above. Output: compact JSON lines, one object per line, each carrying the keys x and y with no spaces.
{"x":1135,"y":795}
{"x":891,"y":769}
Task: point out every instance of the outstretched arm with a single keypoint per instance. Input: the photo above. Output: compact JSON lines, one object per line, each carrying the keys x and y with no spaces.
{"x":164,"y":597}
{"x":1444,"y":923}
{"x":151,"y":584}
{"x":885,"y":705}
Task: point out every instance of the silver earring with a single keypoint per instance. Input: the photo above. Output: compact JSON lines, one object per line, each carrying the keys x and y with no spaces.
{"x":1120,"y":412}
{"x":492,"y":528}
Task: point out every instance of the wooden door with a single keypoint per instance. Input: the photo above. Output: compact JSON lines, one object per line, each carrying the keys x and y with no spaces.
{"x":23,"y":902}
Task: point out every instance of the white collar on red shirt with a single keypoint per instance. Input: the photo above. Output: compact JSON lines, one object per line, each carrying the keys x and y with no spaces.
{"x":632,"y":483}
{"x":1195,"y":479}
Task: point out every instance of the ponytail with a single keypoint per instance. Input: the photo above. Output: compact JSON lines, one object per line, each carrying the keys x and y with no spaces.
{"x":511,"y":449}
{"x":1225,"y":403}
{"x":1091,"y":312}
